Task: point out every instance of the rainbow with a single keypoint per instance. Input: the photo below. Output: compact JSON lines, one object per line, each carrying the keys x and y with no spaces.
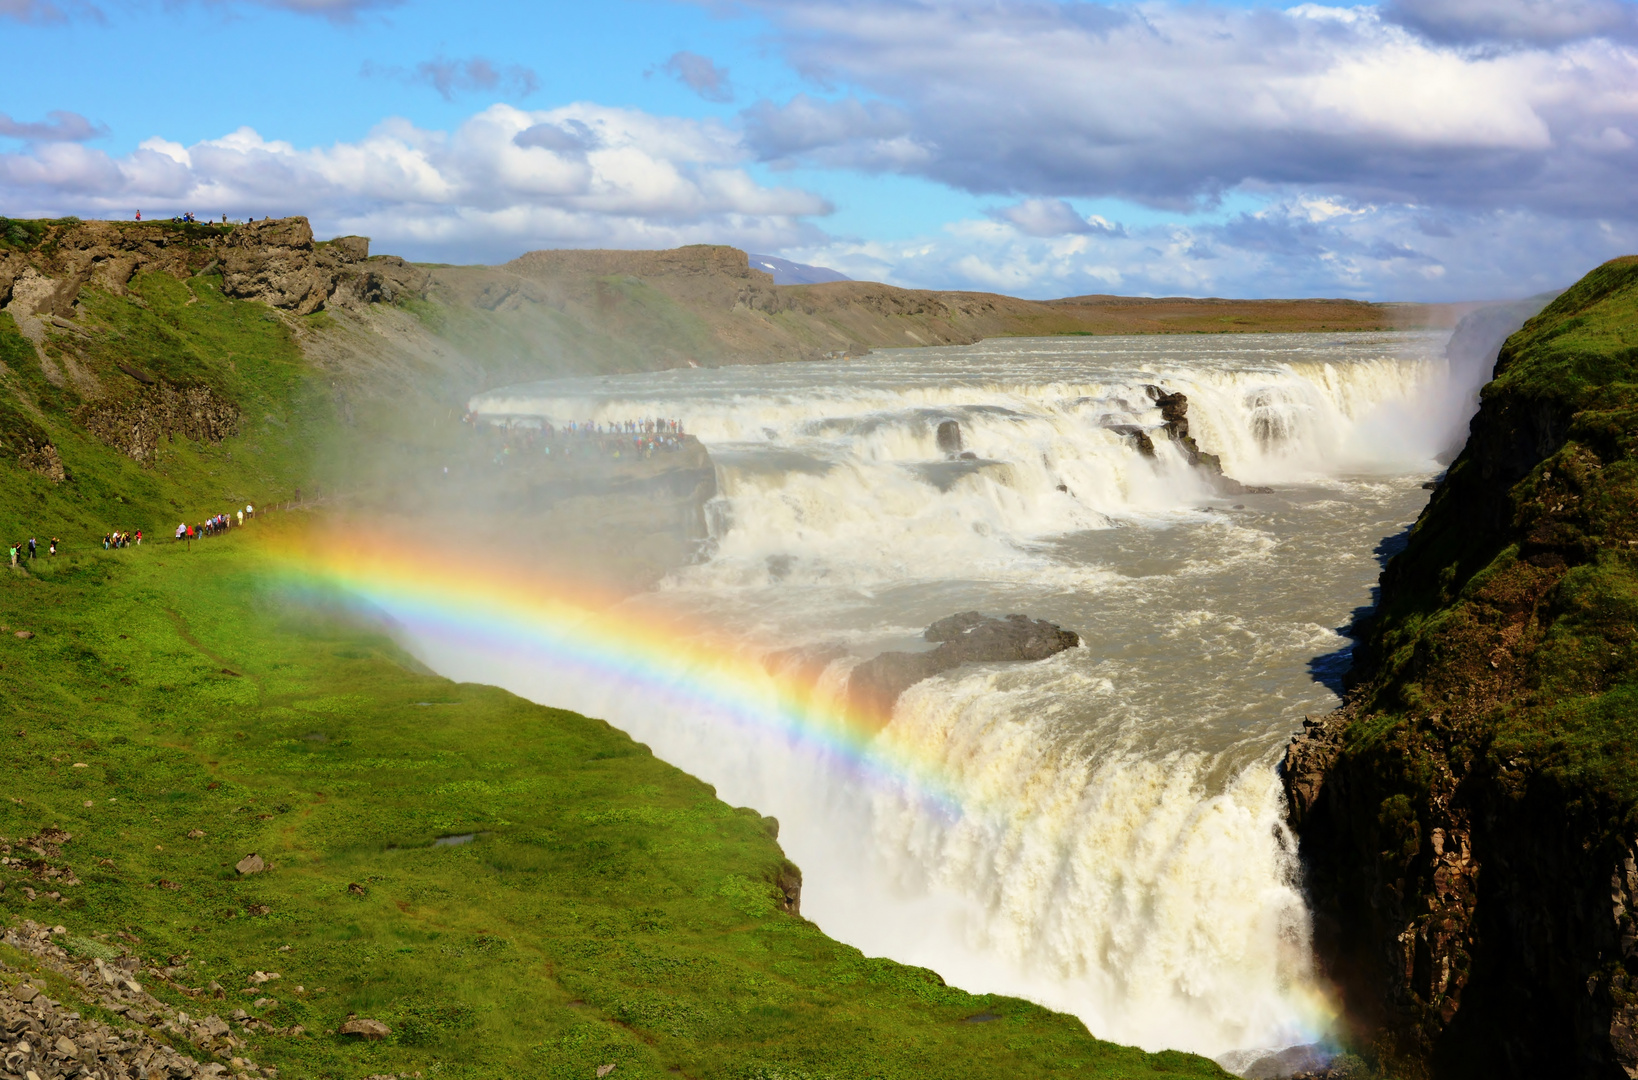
{"x":509,"y":611}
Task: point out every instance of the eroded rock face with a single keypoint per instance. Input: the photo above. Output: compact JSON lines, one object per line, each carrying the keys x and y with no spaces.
{"x":1310,"y":753}
{"x":276,"y":262}
{"x":134,"y":425}
{"x":968,"y":638}
{"x":273,"y":261}
{"x":789,"y":881}
{"x":42,"y":458}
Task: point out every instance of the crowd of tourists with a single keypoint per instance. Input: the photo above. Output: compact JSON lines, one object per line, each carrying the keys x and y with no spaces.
{"x":32,"y":546}
{"x":24,"y":550}
{"x":218,"y":523}
{"x":641,"y":438}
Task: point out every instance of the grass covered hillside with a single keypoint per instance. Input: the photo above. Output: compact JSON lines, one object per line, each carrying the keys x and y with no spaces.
{"x":1470,"y":821}
{"x":168,"y":711}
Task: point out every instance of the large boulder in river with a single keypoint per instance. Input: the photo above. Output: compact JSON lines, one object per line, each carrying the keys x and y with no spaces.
{"x":973,"y":638}
{"x":968,"y":638}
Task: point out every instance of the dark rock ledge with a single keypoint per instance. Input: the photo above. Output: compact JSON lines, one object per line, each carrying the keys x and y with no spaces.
{"x":968,"y":638}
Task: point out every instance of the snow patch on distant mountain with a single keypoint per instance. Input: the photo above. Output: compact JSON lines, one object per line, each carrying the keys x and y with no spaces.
{"x":786,"y":272}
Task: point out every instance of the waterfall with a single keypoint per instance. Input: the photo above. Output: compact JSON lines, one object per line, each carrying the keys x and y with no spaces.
{"x":1109,"y":839}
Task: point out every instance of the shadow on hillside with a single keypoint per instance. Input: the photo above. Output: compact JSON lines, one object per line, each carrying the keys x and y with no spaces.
{"x":1331,"y":669}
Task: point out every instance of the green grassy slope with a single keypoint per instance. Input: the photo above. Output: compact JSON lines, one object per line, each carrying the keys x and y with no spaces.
{"x":1529,"y":622}
{"x":189,"y":334}
{"x":610,"y":911}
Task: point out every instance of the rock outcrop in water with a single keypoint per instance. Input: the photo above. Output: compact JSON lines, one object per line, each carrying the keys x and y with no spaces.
{"x":1174,"y":410}
{"x":1469,"y":822}
{"x":968,"y":638}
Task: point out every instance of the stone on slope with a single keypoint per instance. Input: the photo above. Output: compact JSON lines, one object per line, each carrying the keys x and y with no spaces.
{"x":363,"y":1028}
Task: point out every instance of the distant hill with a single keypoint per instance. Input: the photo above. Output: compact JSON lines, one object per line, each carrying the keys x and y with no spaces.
{"x":377,"y":320}
{"x":786,"y":272}
{"x":590,"y":311}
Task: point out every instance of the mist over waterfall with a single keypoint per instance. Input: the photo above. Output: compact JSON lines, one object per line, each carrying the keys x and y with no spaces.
{"x":1101,"y":831}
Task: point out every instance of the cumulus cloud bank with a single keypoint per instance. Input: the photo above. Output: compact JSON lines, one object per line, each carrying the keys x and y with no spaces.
{"x":504,"y":180}
{"x":1419,"y":148}
{"x":1174,"y":105}
{"x":1297,"y":245}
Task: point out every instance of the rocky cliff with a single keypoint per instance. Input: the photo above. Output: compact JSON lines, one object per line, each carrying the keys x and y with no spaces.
{"x":1469,"y":822}
{"x":89,"y":366}
{"x":44,"y":268}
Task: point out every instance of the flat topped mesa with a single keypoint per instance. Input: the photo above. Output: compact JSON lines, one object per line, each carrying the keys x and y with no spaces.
{"x":968,"y":638}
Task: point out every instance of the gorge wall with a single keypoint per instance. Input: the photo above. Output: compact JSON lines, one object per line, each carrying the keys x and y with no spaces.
{"x":1468,"y":820}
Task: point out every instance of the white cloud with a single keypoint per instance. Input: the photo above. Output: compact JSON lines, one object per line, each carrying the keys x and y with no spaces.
{"x":1049,"y":217}
{"x":1174,"y":105}
{"x":498,"y":184}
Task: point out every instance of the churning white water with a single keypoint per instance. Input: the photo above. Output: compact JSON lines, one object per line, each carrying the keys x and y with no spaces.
{"x":1107,"y":837}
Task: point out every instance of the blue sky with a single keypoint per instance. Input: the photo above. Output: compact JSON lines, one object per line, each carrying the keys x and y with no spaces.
{"x":1421,"y":149}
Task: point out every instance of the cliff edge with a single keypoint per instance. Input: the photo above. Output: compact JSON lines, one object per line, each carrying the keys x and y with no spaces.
{"x":1469,"y":821}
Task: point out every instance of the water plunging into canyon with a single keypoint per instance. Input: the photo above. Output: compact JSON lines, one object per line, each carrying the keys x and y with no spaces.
{"x":1101,"y":831}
